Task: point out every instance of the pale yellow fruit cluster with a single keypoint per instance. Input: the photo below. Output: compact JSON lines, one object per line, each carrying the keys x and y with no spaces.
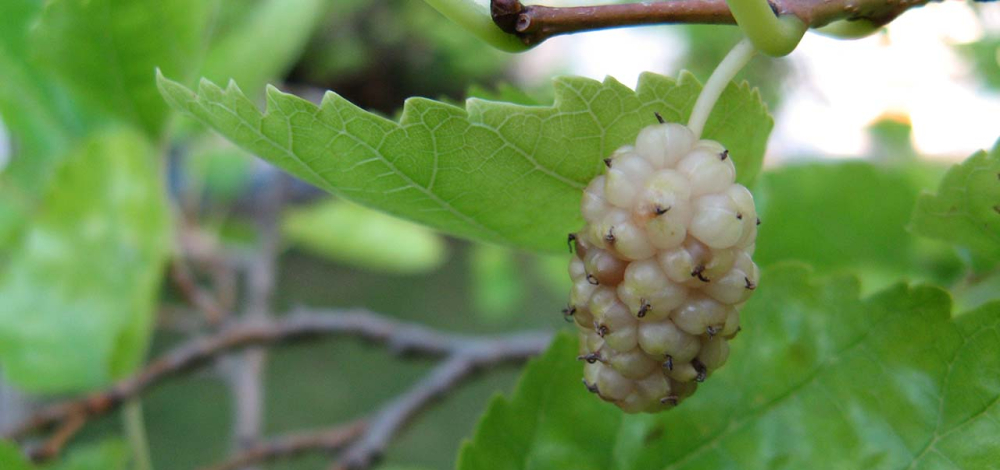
{"x":661,"y":268}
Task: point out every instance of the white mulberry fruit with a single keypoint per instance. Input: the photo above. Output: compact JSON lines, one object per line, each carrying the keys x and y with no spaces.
{"x":661,"y":269}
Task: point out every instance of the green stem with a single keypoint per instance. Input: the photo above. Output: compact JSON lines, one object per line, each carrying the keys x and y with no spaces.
{"x":772,"y":35}
{"x":135,"y":430}
{"x":723,"y":74}
{"x":853,"y":29}
{"x":475,"y":18}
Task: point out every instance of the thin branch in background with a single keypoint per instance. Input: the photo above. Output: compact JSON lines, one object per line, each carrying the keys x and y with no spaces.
{"x":533,"y":24}
{"x":55,"y":443}
{"x":199,"y":250}
{"x":14,"y":405}
{"x":328,"y":440}
{"x":398,"y":413}
{"x":405,"y":339}
{"x":184,"y":279}
{"x":247,"y":378}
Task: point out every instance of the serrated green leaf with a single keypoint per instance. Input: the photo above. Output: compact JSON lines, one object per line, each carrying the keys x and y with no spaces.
{"x":111,"y":454}
{"x":11,"y":457}
{"x":107,"y":50}
{"x":818,"y":378}
{"x":492,"y":171}
{"x":502,"y":92}
{"x":77,"y":297}
{"x":847,"y":215}
{"x":966,"y":209}
{"x":547,"y":423}
{"x":344,"y":232}
{"x":265,"y":43}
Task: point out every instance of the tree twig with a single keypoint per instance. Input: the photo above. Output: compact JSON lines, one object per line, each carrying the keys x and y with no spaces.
{"x":303,"y":324}
{"x":14,"y":405}
{"x":55,"y":443}
{"x":247,"y":377}
{"x":534,"y":24}
{"x":329,"y":440}
{"x":460,"y":365}
{"x":184,"y":279}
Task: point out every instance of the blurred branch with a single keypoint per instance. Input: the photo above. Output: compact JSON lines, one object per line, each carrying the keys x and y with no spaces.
{"x":247,"y":379}
{"x":55,"y":443}
{"x":401,"y":338}
{"x":201,"y":250}
{"x":395,"y":415}
{"x":14,"y":404}
{"x":329,"y":440}
{"x":184,"y":279}
{"x":534,"y":24}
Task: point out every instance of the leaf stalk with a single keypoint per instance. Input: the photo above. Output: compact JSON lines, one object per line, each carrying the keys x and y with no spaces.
{"x":716,"y":84}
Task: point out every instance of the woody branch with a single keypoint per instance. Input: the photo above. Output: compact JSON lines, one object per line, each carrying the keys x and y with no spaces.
{"x":534,"y":24}
{"x":464,"y":354}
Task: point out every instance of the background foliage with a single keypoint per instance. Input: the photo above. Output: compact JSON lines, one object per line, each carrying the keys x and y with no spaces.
{"x":872,"y":342}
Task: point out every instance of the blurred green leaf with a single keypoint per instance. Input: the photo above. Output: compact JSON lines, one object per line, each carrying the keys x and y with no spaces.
{"x":111,"y":454}
{"x":38,"y":114}
{"x":494,"y":171}
{"x":344,"y":232}
{"x":892,"y":139}
{"x":107,"y":51}
{"x":985,"y":56}
{"x":450,"y":45}
{"x":11,"y":457}
{"x":13,"y":215}
{"x":892,"y":148}
{"x":474,"y":16}
{"x":384,"y":52}
{"x":966,"y":209}
{"x":818,"y":378}
{"x":552,"y":271}
{"x":975,"y":291}
{"x":497,"y":283}
{"x":217,"y":168}
{"x":339,"y":46}
{"x":848,"y":214}
{"x":267,"y":41}
{"x":77,"y":299}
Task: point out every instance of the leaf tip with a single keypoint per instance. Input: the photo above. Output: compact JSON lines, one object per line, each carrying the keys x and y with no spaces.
{"x":172,"y":92}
